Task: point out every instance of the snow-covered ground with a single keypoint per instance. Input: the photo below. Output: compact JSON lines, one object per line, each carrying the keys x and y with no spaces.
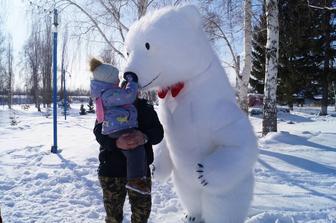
{"x":295,"y":173}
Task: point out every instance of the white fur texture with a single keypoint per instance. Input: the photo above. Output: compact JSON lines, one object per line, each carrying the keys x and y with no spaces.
{"x":203,"y":124}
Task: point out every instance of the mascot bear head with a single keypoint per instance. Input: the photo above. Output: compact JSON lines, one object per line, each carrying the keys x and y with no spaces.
{"x":167,"y":47}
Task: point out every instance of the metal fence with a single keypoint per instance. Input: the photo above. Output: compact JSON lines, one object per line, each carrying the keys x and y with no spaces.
{"x":27,"y":99}
{"x":17,"y":99}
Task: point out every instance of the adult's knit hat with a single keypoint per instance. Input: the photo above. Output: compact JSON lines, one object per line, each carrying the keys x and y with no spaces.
{"x":104,"y":72}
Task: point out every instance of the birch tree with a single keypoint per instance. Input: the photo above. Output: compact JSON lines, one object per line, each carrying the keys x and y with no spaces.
{"x":244,"y":76}
{"x":46,"y":62}
{"x":2,"y":57}
{"x":224,"y":23}
{"x":32,"y":52}
{"x":269,"y":123}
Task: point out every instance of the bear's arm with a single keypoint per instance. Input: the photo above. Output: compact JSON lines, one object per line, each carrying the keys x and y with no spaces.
{"x":236,"y":149}
{"x":120,"y":96}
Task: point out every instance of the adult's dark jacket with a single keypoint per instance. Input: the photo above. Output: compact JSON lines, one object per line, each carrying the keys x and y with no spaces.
{"x":112,"y":161}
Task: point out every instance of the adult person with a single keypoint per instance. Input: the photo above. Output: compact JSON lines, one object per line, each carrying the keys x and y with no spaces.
{"x":112,"y":169}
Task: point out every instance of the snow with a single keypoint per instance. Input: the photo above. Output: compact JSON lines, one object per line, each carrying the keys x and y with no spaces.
{"x":296,"y":169}
{"x":295,"y":173}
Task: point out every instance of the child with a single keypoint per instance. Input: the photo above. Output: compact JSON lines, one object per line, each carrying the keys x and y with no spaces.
{"x":116,"y":111}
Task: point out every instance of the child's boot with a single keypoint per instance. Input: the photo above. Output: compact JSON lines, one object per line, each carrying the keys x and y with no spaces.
{"x":139,"y":185}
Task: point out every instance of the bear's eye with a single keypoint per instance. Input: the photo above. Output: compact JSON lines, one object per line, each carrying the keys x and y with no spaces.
{"x":127,"y":53}
{"x":147,"y":46}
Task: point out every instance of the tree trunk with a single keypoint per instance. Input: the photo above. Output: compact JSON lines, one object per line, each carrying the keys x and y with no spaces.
{"x":36,"y":90}
{"x":325,"y":84}
{"x":10,"y":74}
{"x":244,"y":78}
{"x":61,"y":94}
{"x":63,"y":61}
{"x":271,"y":71}
{"x":334,"y":88}
{"x":237,"y":70}
{"x":289,"y":98}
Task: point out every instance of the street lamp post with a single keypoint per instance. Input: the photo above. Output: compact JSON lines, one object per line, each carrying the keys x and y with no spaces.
{"x":55,"y":23}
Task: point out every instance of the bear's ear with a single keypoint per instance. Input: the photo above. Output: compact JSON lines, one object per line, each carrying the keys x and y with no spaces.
{"x":192,"y":14}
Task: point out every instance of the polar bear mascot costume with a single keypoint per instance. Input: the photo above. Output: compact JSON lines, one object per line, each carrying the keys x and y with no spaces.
{"x":209,"y":148}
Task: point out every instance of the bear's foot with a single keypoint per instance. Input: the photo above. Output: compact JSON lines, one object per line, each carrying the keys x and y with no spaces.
{"x":192,"y":219}
{"x":200,"y":171}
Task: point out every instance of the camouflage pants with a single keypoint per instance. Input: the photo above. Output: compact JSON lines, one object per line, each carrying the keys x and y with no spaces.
{"x":114,"y":195}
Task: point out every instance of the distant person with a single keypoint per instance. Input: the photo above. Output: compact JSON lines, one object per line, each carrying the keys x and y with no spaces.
{"x":118,"y":115}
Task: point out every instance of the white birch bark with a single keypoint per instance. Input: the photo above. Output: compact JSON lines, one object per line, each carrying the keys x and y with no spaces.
{"x":272,"y":50}
{"x":243,"y":78}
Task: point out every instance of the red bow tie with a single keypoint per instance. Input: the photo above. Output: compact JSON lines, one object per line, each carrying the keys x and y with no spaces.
{"x":174,"y":89}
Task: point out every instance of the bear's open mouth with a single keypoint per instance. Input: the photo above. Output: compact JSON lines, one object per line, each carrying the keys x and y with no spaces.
{"x":149,"y":83}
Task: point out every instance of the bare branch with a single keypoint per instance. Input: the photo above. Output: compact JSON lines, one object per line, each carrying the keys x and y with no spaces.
{"x":149,"y":3}
{"x":321,"y":8}
{"x":226,"y":40}
{"x":177,"y":2}
{"x":228,"y":64}
{"x":97,"y":27}
{"x":115,"y":13}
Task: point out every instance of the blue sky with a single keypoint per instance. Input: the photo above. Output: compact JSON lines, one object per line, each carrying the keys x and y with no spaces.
{"x":13,"y":15}
{"x":17,"y":22}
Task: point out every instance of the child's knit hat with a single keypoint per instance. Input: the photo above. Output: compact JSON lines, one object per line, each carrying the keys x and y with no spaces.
{"x":104,"y":72}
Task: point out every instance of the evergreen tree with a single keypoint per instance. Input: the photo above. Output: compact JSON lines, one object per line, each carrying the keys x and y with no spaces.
{"x":323,"y":51}
{"x":303,"y":50}
{"x":258,"y":54}
{"x":293,"y":63}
